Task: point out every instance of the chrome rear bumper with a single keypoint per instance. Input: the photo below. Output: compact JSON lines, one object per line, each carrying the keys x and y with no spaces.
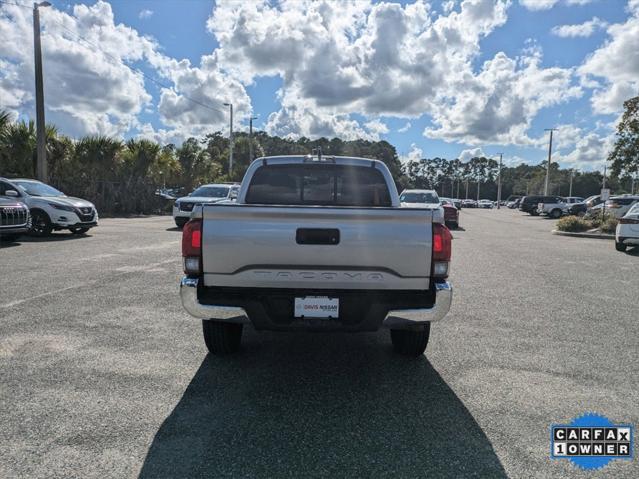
{"x":414,"y":318}
{"x":188,"y":294}
{"x":396,"y":319}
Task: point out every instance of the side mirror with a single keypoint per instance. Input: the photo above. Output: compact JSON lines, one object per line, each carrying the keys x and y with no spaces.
{"x":233,"y":195}
{"x":12,"y":193}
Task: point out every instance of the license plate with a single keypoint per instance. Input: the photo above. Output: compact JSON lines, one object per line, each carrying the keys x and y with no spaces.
{"x":317,"y":307}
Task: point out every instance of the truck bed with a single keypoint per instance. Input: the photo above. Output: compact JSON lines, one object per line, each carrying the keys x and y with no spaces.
{"x":309,"y":247}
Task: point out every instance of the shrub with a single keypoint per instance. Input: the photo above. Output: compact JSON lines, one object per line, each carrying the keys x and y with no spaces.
{"x":610,"y":225}
{"x":573,"y":224}
{"x":598,"y":219}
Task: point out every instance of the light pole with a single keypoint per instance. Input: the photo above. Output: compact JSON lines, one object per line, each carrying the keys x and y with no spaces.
{"x":499,"y":183}
{"x":548,"y":164}
{"x":251,"y":137}
{"x":41,"y":168}
{"x":572,"y":175}
{"x":230,"y":105}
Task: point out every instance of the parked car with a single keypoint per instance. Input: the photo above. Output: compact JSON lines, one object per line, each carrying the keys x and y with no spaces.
{"x":467,"y":203}
{"x":558,"y":206}
{"x":580,"y":209}
{"x":14,"y":219}
{"x":618,"y":206}
{"x":512,"y":204}
{"x":419,"y":198}
{"x":51,"y":210}
{"x":529,"y":204}
{"x":451,"y":213}
{"x":316,"y":243}
{"x":627,"y":232}
{"x":485,"y":204}
{"x":457,"y":202}
{"x":205,"y":194}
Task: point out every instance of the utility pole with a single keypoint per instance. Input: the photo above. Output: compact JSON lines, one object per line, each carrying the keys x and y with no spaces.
{"x":632,"y":187}
{"x":458,"y":181}
{"x":230,"y":105}
{"x":466,"y":189}
{"x":477,"y":190}
{"x":499,"y":183}
{"x":251,"y":137}
{"x":548,"y":164}
{"x":41,"y":168}
{"x":572,"y":175}
{"x":603,"y":186}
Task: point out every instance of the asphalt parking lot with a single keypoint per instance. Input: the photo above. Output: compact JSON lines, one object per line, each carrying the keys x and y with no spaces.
{"x":104,"y":375}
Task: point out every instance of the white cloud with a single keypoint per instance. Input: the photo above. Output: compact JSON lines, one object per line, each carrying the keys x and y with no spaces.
{"x":585,"y":29}
{"x":498,"y":104}
{"x":448,"y":6}
{"x":376,"y":127}
{"x":386,"y":59}
{"x":536,"y":5}
{"x":590,"y":152}
{"x":405,"y":128}
{"x":145,"y":13}
{"x":467,"y":155}
{"x":89,"y":89}
{"x":614,"y":67}
{"x":415,"y":154}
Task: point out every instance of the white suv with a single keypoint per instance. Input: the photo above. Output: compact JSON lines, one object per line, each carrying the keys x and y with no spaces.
{"x":50,"y":209}
{"x":205,"y":194}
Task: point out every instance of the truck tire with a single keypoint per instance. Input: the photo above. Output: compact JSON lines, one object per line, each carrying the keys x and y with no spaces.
{"x":620,"y":246}
{"x":410,"y":343}
{"x":221,"y":338}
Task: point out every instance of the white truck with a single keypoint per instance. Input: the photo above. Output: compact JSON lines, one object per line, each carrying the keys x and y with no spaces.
{"x":558,"y":206}
{"x":316,"y":243}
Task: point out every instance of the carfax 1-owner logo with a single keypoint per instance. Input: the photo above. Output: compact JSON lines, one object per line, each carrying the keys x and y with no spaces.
{"x":591,"y":441}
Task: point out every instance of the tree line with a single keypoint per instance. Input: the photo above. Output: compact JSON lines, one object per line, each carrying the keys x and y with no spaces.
{"x":122,"y":177}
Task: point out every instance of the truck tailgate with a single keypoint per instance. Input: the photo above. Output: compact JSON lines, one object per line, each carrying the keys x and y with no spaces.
{"x":276,"y":247}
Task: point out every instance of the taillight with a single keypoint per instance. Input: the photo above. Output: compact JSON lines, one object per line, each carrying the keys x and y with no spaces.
{"x":192,"y":246}
{"x":442,"y":240}
{"x":629,"y":221}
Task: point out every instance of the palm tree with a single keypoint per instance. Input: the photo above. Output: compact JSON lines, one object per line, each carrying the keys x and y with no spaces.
{"x":18,"y":149}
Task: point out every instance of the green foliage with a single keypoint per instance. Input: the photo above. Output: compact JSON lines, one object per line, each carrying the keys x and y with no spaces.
{"x":122,"y":177}
{"x":625,"y":155}
{"x":609,"y":225}
{"x":573,"y":224}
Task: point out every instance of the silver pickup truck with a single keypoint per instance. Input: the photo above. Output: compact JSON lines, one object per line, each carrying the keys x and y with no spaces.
{"x":316,"y":243}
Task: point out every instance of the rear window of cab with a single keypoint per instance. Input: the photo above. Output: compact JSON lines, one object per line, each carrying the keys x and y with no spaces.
{"x":318,"y":184}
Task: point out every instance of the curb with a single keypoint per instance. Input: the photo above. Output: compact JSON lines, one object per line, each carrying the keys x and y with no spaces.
{"x":585,"y":235}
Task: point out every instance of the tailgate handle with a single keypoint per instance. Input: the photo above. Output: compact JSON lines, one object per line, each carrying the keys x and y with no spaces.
{"x":317,"y":236}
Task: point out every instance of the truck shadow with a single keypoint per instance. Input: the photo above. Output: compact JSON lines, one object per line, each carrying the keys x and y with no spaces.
{"x":319,"y":405}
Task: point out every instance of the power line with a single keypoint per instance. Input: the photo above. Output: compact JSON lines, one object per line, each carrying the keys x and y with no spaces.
{"x":16,"y":4}
{"x":119,"y":61}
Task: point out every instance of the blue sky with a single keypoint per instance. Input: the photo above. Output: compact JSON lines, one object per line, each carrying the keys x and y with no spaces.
{"x":488,"y":76}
